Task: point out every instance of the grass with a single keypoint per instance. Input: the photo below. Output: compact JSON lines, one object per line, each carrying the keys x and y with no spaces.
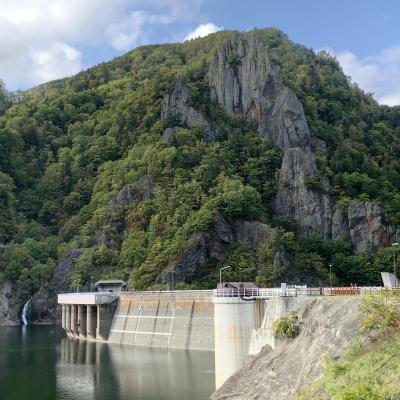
{"x":366,"y":373}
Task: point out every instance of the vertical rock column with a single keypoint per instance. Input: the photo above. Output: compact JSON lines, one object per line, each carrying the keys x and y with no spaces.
{"x":82,"y":321}
{"x":67,"y":322}
{"x":234,"y":321}
{"x":91,"y":318}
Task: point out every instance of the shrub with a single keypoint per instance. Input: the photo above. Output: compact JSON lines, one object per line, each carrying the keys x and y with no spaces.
{"x":286,"y":327}
{"x":382,"y":311}
{"x":361,"y":392}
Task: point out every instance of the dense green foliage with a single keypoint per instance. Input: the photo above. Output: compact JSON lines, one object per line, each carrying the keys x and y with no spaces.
{"x":286,"y":327}
{"x":69,"y":147}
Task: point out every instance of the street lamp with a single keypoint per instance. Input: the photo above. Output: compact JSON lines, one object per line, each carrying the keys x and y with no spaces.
{"x":394,"y":258}
{"x":91,"y":284}
{"x":220,"y":272}
{"x":330,"y":274}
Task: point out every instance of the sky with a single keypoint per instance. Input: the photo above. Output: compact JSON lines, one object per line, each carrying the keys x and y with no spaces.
{"x":41,"y":40}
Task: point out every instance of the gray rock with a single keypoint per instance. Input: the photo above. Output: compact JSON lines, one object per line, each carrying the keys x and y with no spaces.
{"x":114,"y":229}
{"x":282,"y":259}
{"x":176,"y":105}
{"x":213,"y":244}
{"x":44,"y":305}
{"x":294,"y":199}
{"x":8,"y":307}
{"x":340,"y":224}
{"x":252,"y":233}
{"x":368,"y":226}
{"x":244,"y":81}
{"x":168,"y":136}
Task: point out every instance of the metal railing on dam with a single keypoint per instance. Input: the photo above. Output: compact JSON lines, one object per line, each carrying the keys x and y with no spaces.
{"x":177,"y":294}
{"x":265,"y":294}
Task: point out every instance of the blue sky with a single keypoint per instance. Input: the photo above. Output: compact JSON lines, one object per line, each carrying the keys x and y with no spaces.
{"x":42,"y":40}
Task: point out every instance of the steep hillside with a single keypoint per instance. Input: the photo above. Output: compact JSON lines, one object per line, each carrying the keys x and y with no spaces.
{"x":368,"y":373}
{"x":164,"y":164}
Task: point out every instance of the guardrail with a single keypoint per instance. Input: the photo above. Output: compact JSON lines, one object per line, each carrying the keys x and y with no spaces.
{"x":294,"y":292}
{"x":179,"y":294}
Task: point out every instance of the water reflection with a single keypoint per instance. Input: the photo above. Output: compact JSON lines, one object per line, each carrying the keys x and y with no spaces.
{"x":99,"y":371}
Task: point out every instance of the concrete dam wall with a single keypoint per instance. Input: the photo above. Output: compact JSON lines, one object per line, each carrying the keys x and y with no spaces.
{"x":179,"y":320}
{"x":231,"y":327}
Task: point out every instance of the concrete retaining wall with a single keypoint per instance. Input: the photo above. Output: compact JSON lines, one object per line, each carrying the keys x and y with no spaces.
{"x":275,"y":308}
{"x":169,"y":321}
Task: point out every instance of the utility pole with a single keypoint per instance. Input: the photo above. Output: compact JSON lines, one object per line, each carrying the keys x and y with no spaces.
{"x":220,"y":272}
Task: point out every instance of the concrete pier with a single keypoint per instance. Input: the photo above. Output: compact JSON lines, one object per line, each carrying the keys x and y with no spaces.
{"x":82,"y":309}
{"x":68,"y":318}
{"x":74,"y":320}
{"x":87,"y":315}
{"x":234,"y":321}
{"x":91,"y":322}
{"x":63,"y":315}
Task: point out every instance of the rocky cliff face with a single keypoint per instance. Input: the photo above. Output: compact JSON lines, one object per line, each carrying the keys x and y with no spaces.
{"x":213,"y":244}
{"x":244,"y":81}
{"x":364,"y":224}
{"x":175,"y":106}
{"x":8,"y":307}
{"x":44,"y":302}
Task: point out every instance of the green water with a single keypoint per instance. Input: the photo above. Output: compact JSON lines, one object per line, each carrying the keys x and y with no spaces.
{"x":40,"y":363}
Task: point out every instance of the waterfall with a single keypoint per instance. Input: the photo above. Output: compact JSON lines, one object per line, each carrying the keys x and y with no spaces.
{"x":25,"y":312}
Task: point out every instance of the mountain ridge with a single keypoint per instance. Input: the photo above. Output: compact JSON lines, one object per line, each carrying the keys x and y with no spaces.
{"x":138,"y":162}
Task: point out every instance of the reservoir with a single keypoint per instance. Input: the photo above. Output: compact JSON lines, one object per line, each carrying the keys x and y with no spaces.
{"x":39,"y":362}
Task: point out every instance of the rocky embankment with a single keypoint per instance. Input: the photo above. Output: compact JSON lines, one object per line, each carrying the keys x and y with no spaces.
{"x":8,"y":308}
{"x":327,"y":326}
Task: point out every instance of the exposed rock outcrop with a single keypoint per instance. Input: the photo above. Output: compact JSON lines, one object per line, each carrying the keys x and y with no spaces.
{"x":340,"y":224}
{"x":368,"y":226}
{"x":213,"y":244}
{"x":44,"y":302}
{"x":8,"y":308}
{"x":115,"y":228}
{"x":244,"y":81}
{"x":365,"y":225}
{"x":295,"y":199}
{"x":168,"y":136}
{"x":175,"y":106}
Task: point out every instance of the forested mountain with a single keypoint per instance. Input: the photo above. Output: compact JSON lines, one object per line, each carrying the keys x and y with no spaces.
{"x":173,"y":160}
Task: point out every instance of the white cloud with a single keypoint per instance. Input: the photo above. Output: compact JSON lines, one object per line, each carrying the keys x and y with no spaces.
{"x":55,"y":60}
{"x":202,"y":30}
{"x":42,"y":39}
{"x":378,"y":74}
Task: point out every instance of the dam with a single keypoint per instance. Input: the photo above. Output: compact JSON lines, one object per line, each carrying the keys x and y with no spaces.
{"x":232,"y":323}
